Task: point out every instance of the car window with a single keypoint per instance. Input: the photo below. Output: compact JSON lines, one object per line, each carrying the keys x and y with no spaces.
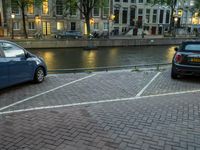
{"x":192,"y":47}
{"x":11,"y":50}
{"x":1,"y":54}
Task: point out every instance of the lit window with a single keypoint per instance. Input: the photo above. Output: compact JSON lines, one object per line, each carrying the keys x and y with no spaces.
{"x":45,"y":7}
{"x":30,"y":8}
{"x":60,"y":26}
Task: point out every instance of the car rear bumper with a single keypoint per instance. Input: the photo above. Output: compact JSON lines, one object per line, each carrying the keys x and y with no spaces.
{"x":186,"y":69}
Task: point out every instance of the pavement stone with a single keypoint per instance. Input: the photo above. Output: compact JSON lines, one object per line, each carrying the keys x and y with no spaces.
{"x":103,"y":86}
{"x":153,"y":123}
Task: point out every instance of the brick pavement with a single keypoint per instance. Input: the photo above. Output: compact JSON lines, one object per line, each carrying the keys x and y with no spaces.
{"x":152,"y":123}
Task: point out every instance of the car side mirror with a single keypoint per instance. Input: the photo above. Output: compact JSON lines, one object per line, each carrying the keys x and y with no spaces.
{"x":27,"y":55}
{"x":176,"y":49}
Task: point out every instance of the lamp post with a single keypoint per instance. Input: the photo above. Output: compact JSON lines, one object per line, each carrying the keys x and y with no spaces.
{"x":175,"y":25}
{"x":110,"y":18}
{"x":12,"y":18}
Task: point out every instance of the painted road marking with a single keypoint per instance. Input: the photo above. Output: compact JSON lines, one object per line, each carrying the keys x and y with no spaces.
{"x":99,"y":102}
{"x":54,"y":89}
{"x":142,"y":91}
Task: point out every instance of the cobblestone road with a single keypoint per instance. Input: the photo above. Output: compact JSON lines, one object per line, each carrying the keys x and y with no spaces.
{"x":102,"y":111}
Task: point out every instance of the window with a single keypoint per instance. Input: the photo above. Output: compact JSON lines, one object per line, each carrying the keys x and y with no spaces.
{"x":116,"y":13}
{"x":96,"y":26}
{"x":133,"y":1}
{"x":117,"y":0}
{"x":124,"y":15}
{"x":59,"y":7}
{"x":96,"y":11}
{"x":105,"y":26}
{"x":12,"y":50}
{"x":161,"y":16}
{"x":140,"y":1}
{"x":147,"y":15}
{"x":140,"y":11}
{"x":125,"y":1}
{"x":30,"y":8}
{"x":167,"y":16}
{"x":60,"y":25}
{"x":192,"y":47}
{"x":45,"y":7}
{"x":73,"y":26}
{"x":132,"y":16}
{"x":72,"y":11}
{"x":15,"y":7}
{"x":16,"y":26}
{"x":154,"y":16}
{"x":106,"y":8}
{"x":31,"y":25}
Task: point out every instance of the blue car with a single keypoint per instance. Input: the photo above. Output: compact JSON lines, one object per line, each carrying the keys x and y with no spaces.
{"x":17,"y":65}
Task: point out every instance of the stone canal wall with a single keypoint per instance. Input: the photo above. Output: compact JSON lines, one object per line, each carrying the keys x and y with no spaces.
{"x":100,"y":43}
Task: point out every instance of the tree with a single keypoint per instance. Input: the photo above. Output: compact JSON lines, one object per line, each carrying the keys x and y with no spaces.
{"x":23,"y":5}
{"x":85,"y":7}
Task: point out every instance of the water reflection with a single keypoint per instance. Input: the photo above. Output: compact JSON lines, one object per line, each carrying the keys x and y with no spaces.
{"x":89,"y":59}
{"x":69,"y":58}
{"x":170,"y":53}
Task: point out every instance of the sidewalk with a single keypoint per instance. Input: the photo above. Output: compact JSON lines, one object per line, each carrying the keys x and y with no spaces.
{"x":102,"y":111}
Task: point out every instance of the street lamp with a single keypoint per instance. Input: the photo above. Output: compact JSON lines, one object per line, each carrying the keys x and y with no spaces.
{"x":110,"y":18}
{"x":175,"y":25}
{"x":12,"y":18}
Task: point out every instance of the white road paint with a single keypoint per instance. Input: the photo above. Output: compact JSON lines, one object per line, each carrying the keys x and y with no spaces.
{"x":99,"y":102}
{"x":142,"y":91}
{"x":54,"y":89}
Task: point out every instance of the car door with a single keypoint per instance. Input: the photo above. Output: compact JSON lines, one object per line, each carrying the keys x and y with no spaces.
{"x":3,"y":70}
{"x":19,"y":68}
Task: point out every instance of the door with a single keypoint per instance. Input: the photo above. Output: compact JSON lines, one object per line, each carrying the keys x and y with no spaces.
{"x":46,"y":28}
{"x":153,"y":30}
{"x":4,"y":70}
{"x":19,"y":68}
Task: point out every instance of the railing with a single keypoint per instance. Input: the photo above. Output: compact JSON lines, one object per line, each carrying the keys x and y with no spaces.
{"x":111,"y":68}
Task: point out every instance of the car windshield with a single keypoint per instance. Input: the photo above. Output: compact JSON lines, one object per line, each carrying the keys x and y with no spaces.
{"x":192,"y":47}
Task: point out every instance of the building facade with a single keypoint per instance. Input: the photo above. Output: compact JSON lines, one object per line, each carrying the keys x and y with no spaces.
{"x":139,"y":15}
{"x":189,"y":20}
{"x":48,"y":18}
{"x":131,"y":17}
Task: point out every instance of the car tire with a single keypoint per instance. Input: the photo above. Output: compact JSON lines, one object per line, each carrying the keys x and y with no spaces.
{"x":39,"y":75}
{"x":174,"y":75}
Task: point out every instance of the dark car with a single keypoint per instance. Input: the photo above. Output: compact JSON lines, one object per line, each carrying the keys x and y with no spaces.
{"x":186,"y":60}
{"x":17,"y":65}
{"x":69,"y":34}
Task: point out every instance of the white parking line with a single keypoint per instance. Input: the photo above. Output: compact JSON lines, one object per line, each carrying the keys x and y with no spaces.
{"x":54,"y":89}
{"x":98,"y":102}
{"x":142,"y":91}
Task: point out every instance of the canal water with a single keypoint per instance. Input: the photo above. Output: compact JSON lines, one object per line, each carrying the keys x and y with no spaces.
{"x":70,"y":58}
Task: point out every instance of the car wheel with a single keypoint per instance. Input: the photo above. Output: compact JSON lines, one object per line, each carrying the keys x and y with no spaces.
{"x":174,"y":75}
{"x":39,"y":75}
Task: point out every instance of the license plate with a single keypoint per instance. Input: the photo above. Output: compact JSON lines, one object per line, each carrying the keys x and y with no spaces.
{"x":196,"y":60}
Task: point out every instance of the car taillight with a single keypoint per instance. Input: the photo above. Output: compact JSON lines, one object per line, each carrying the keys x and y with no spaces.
{"x":178,"y":58}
